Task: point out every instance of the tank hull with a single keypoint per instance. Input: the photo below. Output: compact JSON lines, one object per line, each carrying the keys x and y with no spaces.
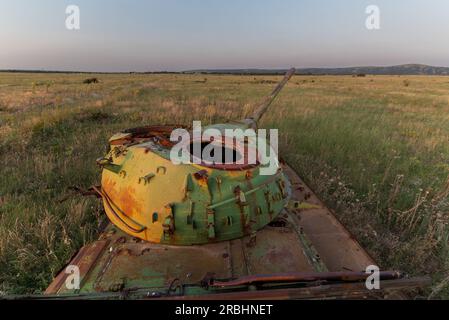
{"x":303,"y":254}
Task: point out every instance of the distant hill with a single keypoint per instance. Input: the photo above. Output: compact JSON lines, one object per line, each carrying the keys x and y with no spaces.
{"x":406,"y":69}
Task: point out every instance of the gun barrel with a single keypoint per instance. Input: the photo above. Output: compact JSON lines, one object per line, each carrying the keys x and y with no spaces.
{"x":260,"y":111}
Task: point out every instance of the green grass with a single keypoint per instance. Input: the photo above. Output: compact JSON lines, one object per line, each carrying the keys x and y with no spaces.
{"x":375,"y":149}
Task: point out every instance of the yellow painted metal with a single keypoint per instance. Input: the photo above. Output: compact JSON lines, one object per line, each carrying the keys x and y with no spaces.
{"x":138,"y":200}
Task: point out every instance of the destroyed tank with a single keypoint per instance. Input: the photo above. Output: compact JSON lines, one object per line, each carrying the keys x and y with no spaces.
{"x":206,"y":230}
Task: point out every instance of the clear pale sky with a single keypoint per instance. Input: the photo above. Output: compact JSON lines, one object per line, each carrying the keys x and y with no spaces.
{"x":139,"y":35}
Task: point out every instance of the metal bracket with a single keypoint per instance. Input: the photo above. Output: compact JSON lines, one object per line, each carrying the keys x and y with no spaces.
{"x":244,"y":206}
{"x":211,"y":224}
{"x":169,"y":222}
{"x":146,"y":180}
{"x":281,"y":184}
{"x":161,"y":168}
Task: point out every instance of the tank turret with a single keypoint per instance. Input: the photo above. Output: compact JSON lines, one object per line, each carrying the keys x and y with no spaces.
{"x":149,"y":197}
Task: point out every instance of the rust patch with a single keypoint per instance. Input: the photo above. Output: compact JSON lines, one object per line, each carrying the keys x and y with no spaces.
{"x":124,"y":199}
{"x":85,"y":260}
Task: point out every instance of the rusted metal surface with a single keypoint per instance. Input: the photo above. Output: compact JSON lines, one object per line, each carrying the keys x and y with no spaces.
{"x":356,"y":290}
{"x":137,"y":135}
{"x":389,"y":290}
{"x":338,"y":248}
{"x":140,"y":264}
{"x":85,"y":260}
{"x":289,"y":259}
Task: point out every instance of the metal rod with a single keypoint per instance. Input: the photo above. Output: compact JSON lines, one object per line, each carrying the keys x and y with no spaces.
{"x":304,"y":276}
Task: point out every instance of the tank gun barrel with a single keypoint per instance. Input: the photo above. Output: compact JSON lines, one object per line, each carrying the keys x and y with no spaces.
{"x":260,"y":111}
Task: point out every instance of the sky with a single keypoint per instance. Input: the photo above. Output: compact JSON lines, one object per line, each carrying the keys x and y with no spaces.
{"x":176,"y":35}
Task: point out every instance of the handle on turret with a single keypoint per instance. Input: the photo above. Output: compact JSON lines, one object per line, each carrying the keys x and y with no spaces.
{"x":260,"y":111}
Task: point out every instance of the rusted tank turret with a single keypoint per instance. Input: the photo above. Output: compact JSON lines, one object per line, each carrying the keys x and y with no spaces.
{"x":148,"y":196}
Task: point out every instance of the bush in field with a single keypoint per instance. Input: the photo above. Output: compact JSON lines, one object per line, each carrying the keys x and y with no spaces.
{"x":91,"y":80}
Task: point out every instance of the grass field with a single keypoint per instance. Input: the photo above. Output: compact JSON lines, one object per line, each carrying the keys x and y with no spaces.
{"x":375,"y":148}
